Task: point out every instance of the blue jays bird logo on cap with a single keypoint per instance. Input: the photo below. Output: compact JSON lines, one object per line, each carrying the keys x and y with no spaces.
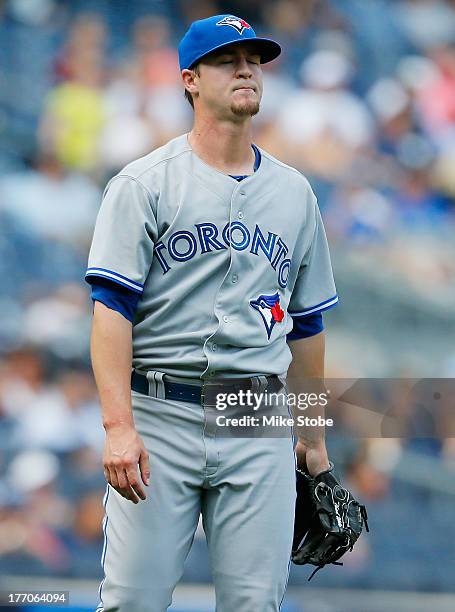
{"x":270,"y":310}
{"x":235,"y":22}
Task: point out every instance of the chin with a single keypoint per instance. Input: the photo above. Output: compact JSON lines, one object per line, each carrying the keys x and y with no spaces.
{"x":245,"y":108}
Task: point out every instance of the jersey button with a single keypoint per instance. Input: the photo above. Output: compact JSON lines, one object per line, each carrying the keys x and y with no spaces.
{"x":240,"y":214}
{"x":226,"y":319}
{"x":214,"y":347}
{"x":235,"y":278}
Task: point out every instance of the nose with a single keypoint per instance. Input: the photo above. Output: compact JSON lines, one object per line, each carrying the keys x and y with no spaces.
{"x":243,"y":68}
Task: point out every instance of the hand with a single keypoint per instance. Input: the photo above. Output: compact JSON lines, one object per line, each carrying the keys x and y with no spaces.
{"x":123,"y":452}
{"x":313,"y":459}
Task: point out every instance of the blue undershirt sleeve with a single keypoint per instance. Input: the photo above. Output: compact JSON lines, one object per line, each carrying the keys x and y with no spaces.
{"x":304,"y":327}
{"x":115,"y":297}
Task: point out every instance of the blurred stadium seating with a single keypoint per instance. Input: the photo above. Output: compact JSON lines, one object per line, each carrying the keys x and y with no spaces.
{"x":363,"y":102}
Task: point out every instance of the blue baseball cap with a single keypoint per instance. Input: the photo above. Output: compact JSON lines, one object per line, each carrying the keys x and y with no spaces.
{"x":206,"y":35}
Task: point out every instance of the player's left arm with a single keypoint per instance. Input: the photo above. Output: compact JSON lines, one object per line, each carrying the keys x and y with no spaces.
{"x":328,"y":519}
{"x":308,"y":363}
{"x":313,"y":293}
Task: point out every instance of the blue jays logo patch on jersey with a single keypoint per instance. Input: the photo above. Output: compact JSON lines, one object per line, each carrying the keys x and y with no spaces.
{"x":270,"y":310}
{"x":236,"y":23}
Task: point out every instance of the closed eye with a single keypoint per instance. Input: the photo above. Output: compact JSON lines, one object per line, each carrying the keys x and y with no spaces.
{"x":227,"y":60}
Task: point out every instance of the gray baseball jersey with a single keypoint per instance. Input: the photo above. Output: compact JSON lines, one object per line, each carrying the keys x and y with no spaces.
{"x":220,"y":265}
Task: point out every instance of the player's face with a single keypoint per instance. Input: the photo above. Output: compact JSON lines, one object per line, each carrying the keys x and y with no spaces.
{"x":230,"y":81}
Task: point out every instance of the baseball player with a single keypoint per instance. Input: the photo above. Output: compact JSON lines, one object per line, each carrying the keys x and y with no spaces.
{"x":209,"y":270}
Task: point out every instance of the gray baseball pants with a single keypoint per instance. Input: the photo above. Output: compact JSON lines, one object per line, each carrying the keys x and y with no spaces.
{"x":245,"y":490}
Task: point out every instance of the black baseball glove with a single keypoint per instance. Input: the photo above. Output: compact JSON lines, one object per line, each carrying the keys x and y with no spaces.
{"x":328,"y":520}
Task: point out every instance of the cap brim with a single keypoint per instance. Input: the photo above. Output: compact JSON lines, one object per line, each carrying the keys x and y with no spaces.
{"x":268,"y":49}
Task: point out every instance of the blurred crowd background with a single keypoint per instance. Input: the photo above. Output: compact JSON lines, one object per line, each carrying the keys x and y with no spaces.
{"x":362,"y":101}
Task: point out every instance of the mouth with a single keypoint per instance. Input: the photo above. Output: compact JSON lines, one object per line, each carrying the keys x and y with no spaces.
{"x":245,"y":89}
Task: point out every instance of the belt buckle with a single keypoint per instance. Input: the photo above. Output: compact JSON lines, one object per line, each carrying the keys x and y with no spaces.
{"x":203,"y":393}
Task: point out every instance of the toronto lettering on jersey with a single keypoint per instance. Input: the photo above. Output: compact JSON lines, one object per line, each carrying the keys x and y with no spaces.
{"x":183,"y":245}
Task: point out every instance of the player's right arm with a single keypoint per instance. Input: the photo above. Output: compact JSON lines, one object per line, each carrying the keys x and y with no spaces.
{"x":121,"y":254}
{"x":124,"y":450}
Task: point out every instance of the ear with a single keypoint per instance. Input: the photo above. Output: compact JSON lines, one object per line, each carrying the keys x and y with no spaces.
{"x":189,"y":78}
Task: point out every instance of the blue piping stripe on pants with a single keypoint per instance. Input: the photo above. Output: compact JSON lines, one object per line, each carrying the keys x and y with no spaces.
{"x":100,"y":608}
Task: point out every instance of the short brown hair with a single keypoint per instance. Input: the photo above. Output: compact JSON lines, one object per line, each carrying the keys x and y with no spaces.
{"x":188,"y":96}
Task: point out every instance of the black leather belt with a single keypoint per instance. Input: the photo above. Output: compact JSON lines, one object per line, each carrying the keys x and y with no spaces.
{"x":208,"y":390}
